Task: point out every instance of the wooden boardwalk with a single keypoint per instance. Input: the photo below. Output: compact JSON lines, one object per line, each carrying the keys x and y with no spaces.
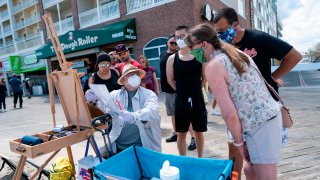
{"x":301,"y":157}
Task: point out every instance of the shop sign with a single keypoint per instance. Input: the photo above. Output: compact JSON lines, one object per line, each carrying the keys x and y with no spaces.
{"x":30,"y":59}
{"x":78,"y":64}
{"x":38,"y":66}
{"x":84,"y":39}
{"x":15,"y":64}
{"x":6,"y":65}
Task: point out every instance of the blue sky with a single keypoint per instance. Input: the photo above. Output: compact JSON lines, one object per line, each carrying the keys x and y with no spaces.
{"x":301,"y":22}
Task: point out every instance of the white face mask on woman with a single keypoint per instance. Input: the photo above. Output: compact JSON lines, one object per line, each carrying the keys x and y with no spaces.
{"x":181,"y":43}
{"x":134,"y":81}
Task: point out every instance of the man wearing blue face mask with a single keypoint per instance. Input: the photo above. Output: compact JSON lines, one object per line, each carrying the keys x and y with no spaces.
{"x":261,"y":47}
{"x":186,"y":76}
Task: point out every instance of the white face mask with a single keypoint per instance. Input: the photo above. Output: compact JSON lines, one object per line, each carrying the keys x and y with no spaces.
{"x":134,"y":81}
{"x":181,"y":43}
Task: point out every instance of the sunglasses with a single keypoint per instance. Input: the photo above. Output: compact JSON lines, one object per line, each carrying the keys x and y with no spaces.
{"x":122,"y":53}
{"x":173,"y":43}
{"x":104,"y":65}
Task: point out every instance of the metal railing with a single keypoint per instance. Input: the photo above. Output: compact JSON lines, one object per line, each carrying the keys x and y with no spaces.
{"x":106,"y":12}
{"x":7,"y":49}
{"x":30,"y":43}
{"x":139,"y":5}
{"x":66,"y":25}
{"x":30,"y":20}
{"x":4,"y":14}
{"x":29,"y":36}
{"x":7,"y":30}
{"x":23,"y":5}
{"x":48,"y":3}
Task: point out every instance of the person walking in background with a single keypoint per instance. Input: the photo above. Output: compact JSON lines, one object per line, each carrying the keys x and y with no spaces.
{"x":246,"y":104}
{"x":27,"y":84}
{"x":185,"y":74}
{"x":3,"y":94}
{"x":104,"y":74}
{"x":170,"y":94}
{"x":15,"y":85}
{"x":150,"y":78}
{"x":261,"y":47}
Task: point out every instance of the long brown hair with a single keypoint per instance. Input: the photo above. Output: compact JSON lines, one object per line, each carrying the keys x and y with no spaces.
{"x":145,"y":58}
{"x":205,"y":32}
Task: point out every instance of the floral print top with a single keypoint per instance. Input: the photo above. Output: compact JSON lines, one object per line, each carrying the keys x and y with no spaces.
{"x":249,"y":94}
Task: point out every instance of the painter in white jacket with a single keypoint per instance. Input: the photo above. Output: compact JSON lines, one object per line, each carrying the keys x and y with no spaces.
{"x":139,"y":122}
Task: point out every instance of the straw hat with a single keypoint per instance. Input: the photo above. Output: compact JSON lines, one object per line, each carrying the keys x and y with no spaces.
{"x":129,"y":68}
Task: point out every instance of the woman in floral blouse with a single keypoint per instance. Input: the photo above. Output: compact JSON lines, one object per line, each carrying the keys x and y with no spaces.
{"x":246,"y":105}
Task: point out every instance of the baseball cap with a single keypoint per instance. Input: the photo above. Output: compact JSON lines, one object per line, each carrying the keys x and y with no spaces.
{"x":121,"y":48}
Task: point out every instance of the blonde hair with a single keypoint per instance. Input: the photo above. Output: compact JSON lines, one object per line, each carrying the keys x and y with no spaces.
{"x":205,"y":32}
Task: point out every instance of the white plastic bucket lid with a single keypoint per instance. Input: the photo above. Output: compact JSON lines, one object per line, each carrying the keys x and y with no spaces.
{"x":169,"y":172}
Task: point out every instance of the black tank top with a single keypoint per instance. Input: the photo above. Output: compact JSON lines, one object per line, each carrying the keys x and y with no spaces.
{"x":111,"y":83}
{"x":187,"y":75}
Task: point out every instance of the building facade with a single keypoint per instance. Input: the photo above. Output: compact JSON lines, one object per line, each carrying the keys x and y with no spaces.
{"x":86,"y":27}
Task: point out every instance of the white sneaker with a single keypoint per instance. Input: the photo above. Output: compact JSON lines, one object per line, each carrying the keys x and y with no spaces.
{"x":3,"y":110}
{"x":214,"y":112}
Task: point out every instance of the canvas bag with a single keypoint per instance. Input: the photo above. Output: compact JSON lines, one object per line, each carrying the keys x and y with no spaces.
{"x":287,"y":121}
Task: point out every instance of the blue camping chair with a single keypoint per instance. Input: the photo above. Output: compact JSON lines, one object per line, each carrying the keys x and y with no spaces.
{"x":142,"y":163}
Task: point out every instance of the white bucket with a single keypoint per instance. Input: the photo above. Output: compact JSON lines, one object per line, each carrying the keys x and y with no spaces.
{"x":169,"y":172}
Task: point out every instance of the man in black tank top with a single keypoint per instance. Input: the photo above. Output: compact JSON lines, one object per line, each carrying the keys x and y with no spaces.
{"x":185,"y":75}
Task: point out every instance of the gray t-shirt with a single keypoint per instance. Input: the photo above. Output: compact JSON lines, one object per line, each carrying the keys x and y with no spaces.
{"x":130,"y":134}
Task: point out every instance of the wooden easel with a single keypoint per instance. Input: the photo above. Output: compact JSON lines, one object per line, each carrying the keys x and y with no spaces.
{"x":67,"y":84}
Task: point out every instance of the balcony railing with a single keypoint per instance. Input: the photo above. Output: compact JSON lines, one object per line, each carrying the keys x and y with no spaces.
{"x":110,"y":11}
{"x":2,"y":1}
{"x":30,"y":20}
{"x":66,"y":25}
{"x":139,"y":5}
{"x":7,"y":30}
{"x":9,"y":43}
{"x":48,"y":3}
{"x":100,"y":14}
{"x":29,"y":36}
{"x":4,"y":14}
{"x":7,"y":49}
{"x":29,"y":43}
{"x":25,"y":4}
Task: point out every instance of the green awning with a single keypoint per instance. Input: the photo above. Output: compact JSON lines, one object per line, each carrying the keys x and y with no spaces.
{"x":84,"y":39}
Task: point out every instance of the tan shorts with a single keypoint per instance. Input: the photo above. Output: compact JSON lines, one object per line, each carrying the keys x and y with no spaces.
{"x":264,"y":143}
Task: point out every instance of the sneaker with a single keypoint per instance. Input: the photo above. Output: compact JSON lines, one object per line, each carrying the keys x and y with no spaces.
{"x":20,"y":106}
{"x":214,"y":112}
{"x":192,"y":145}
{"x":14,"y":106}
{"x":2,"y":110}
{"x":172,"y":138}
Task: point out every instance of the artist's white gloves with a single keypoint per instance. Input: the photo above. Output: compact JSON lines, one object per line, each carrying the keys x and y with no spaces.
{"x":127,"y":116}
{"x":91,"y":97}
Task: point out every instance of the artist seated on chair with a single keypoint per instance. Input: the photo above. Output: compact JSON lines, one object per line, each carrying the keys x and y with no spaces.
{"x":139,"y":122}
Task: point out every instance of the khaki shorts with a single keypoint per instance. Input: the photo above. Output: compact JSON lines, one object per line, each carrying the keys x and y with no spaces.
{"x":170,"y":101}
{"x":264,"y":143}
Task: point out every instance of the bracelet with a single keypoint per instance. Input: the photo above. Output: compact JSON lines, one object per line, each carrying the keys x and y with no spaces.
{"x":238,"y":144}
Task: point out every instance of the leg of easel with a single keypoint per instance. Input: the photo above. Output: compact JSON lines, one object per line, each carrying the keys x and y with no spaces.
{"x":44,"y":165}
{"x":22,"y":163}
{"x":71,"y":161}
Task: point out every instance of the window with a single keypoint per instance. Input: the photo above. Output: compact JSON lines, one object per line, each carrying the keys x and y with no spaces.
{"x":140,"y":5}
{"x":242,"y":8}
{"x":152,"y":51}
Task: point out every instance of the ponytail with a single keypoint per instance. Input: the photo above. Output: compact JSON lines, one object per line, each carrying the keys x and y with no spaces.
{"x":237,"y":57}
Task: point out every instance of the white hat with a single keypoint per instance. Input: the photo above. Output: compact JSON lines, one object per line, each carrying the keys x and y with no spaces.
{"x":128,"y":68}
{"x":27,"y":79}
